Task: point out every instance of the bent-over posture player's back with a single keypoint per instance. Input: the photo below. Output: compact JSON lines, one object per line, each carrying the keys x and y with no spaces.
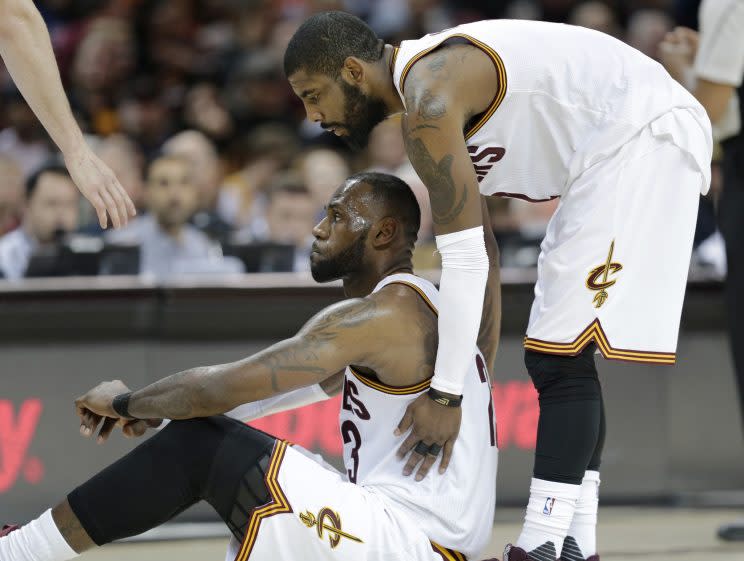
{"x":378,"y":347}
{"x":536,"y":111}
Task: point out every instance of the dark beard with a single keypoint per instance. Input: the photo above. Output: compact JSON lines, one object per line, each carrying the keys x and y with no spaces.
{"x":346,"y":262}
{"x":361,"y":114}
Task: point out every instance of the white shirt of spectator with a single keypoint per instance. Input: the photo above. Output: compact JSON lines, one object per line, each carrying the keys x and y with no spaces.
{"x":164,"y":256}
{"x":16,"y":248}
{"x":720,"y":56}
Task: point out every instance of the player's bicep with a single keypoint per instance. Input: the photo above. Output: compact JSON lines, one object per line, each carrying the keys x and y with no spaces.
{"x":340,"y":335}
{"x":432,"y":130}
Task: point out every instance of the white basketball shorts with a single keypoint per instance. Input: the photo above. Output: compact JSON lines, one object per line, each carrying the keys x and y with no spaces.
{"x":314,"y":513}
{"x":614,"y":262}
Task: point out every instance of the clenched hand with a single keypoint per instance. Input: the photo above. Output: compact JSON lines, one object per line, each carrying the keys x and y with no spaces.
{"x":96,"y":406}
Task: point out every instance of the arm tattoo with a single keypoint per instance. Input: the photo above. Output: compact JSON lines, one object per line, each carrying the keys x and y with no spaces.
{"x":200,"y":392}
{"x":437,"y":176}
{"x":301,"y":356}
{"x":431,"y":106}
{"x":437,"y":62}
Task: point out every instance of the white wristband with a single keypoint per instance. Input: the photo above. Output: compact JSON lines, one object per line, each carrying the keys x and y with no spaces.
{"x":462,"y":288}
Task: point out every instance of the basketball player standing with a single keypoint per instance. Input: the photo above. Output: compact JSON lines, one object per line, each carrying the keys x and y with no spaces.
{"x":536,"y":111}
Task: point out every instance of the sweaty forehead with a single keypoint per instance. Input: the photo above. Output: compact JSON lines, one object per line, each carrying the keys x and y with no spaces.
{"x":357,"y":198}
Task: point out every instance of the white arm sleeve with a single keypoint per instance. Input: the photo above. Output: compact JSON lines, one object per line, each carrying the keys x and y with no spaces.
{"x":462,"y":289}
{"x":276,"y":404}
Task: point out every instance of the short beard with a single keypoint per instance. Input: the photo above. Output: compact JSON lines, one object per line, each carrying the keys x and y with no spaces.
{"x":362,"y":113}
{"x":345,"y":263}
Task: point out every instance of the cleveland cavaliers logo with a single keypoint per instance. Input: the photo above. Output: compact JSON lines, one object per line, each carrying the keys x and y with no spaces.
{"x":482,"y":165}
{"x":599,"y":278}
{"x":327,"y":521}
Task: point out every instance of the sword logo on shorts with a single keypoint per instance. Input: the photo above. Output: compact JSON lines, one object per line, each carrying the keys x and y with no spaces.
{"x":330,"y":521}
{"x":600,"y":285}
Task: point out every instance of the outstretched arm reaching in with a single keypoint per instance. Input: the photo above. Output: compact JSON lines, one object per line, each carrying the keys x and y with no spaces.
{"x":26,"y":49}
{"x":438,"y":104}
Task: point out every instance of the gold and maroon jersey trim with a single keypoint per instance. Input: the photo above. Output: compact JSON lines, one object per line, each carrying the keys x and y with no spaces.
{"x":500,"y":72}
{"x":392,"y":390}
{"x":398,"y":390}
{"x":523,"y":197}
{"x":393,"y":59}
{"x":448,"y":554}
{"x":595,"y":333}
{"x":277,"y":505}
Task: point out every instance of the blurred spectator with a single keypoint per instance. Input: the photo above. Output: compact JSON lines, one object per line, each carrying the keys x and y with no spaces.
{"x":291,"y":216}
{"x":264,"y":152}
{"x":207,"y":175}
{"x":145,"y":116}
{"x":387,"y":153}
{"x":323,"y":170}
{"x":104,"y":60}
{"x":23,"y":139}
{"x":646,"y":31}
{"x":596,"y":15}
{"x":11,"y":194}
{"x":51,"y":211}
{"x":204,"y":111}
{"x":257,"y":92}
{"x":125,"y":159}
{"x":169,"y":245}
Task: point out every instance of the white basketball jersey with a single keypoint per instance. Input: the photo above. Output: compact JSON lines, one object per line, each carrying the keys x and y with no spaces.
{"x":454,"y":509}
{"x":568,"y":98}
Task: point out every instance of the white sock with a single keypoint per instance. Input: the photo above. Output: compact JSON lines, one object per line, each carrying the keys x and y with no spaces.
{"x":39,"y":540}
{"x":582,"y":540}
{"x":548,"y":518}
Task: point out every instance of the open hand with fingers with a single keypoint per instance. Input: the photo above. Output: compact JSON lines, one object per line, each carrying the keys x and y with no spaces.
{"x":99,"y":185}
{"x":433,"y":429}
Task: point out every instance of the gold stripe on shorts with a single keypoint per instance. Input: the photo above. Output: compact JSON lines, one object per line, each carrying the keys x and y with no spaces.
{"x":595,"y":333}
{"x":277,"y":505}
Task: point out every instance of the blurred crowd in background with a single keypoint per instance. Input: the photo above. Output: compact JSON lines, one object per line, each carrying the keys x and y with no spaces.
{"x":186,"y":101}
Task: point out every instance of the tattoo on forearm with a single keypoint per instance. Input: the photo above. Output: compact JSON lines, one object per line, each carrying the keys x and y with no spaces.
{"x":422,"y":127}
{"x":174,"y":397}
{"x":437,"y":176}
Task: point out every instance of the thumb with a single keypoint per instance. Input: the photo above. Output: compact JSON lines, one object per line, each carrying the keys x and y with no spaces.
{"x":405,"y":422}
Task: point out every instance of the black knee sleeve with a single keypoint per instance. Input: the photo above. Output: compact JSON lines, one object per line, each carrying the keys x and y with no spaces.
{"x":570,"y":414}
{"x":216,"y":459}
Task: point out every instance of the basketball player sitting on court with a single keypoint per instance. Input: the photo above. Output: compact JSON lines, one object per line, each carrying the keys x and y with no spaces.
{"x":280,"y":502}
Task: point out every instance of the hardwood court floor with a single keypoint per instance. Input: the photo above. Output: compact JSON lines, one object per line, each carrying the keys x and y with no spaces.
{"x":625,"y":533}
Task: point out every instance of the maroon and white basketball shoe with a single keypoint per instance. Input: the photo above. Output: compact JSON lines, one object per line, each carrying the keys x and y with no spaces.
{"x":542,"y":553}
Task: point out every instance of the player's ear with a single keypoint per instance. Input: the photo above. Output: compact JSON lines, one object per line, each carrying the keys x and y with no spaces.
{"x":353,"y":71}
{"x":385,"y":232}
